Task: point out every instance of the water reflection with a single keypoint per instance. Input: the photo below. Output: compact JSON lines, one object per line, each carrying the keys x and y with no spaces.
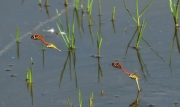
{"x":100,"y":72}
{"x":113,"y":25}
{"x":47,"y":12}
{"x":175,"y":38}
{"x":30,"y":90}
{"x":142,"y":64}
{"x":71,"y":58}
{"x":18,"y":49}
{"x":136,"y":102}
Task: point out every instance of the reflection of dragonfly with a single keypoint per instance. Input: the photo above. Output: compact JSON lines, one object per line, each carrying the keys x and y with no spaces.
{"x":39,"y":37}
{"x":130,"y":75}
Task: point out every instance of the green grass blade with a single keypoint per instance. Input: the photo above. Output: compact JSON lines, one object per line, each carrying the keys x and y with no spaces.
{"x":80,"y":98}
{"x":145,"y":8}
{"x":17,"y":34}
{"x":62,"y":36}
{"x":129,"y":12}
{"x":171,"y":6}
{"x":137,"y":8}
{"x":77,"y":4}
{"x":141,"y":33}
{"x":27,"y":74}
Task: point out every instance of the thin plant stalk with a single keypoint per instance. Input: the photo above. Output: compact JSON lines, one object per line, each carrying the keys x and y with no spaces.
{"x":46,"y":3}
{"x":31,"y":70}
{"x":99,"y":7}
{"x":65,"y":2}
{"x":40,"y":2}
{"x":69,"y":39}
{"x":80,"y":98}
{"x":174,"y":10}
{"x":91,"y":100}
{"x":138,"y":15}
{"x":17,"y":35}
{"x":113,"y":14}
{"x":76,"y":4}
{"x":99,"y":42}
{"x":89,"y":6}
{"x":140,"y":33}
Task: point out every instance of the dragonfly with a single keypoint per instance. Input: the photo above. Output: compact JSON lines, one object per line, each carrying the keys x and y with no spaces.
{"x":48,"y":44}
{"x":130,"y":75}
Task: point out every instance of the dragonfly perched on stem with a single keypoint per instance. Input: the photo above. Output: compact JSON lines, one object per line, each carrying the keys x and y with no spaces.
{"x":130,"y":75}
{"x":39,"y":37}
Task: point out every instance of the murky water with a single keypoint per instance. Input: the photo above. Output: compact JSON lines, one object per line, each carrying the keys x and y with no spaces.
{"x":58,"y":76}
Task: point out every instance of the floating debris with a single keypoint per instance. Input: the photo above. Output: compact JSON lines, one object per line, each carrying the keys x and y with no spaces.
{"x":7,"y":69}
{"x":151,"y":105}
{"x":102,"y":93}
{"x":11,"y":64}
{"x":13,"y":75}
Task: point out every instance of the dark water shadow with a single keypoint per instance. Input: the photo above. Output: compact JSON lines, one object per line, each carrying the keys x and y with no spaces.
{"x":43,"y":59}
{"x":142,"y":64}
{"x":114,"y":27}
{"x":46,"y":8}
{"x":175,"y":38}
{"x":76,"y":13}
{"x":136,"y":102}
{"x":18,"y":49}
{"x":71,"y":58}
{"x":100,"y":72}
{"x":30,"y":90}
{"x":47,"y":11}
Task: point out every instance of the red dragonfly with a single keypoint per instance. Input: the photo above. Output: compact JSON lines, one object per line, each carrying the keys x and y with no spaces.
{"x":130,"y":75}
{"x":39,"y":37}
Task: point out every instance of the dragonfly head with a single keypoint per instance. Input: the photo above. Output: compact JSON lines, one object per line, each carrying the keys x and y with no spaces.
{"x":116,"y":64}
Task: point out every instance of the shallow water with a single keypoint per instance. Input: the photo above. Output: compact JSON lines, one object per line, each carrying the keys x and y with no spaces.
{"x":52,"y":86}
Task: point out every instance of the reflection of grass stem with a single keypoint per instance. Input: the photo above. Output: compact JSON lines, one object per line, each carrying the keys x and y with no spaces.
{"x":174,"y":10}
{"x":113,"y":13}
{"x":140,"y":33}
{"x":29,"y":72}
{"x":17,"y":35}
{"x":80,"y":98}
{"x":138,"y":16}
{"x":89,"y":6}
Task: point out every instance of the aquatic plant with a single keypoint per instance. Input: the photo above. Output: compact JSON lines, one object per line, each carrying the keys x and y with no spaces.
{"x":76,"y":4}
{"x":140,"y":33}
{"x":174,"y":10}
{"x":99,"y":42}
{"x":89,"y":6}
{"x":113,"y":14}
{"x":65,"y":2}
{"x":46,"y":3}
{"x":80,"y":98}
{"x":138,"y":16}
{"x":99,"y":7}
{"x":17,"y":35}
{"x":40,"y":2}
{"x":91,"y":99}
{"x":69,"y":39}
{"x":29,"y":72}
